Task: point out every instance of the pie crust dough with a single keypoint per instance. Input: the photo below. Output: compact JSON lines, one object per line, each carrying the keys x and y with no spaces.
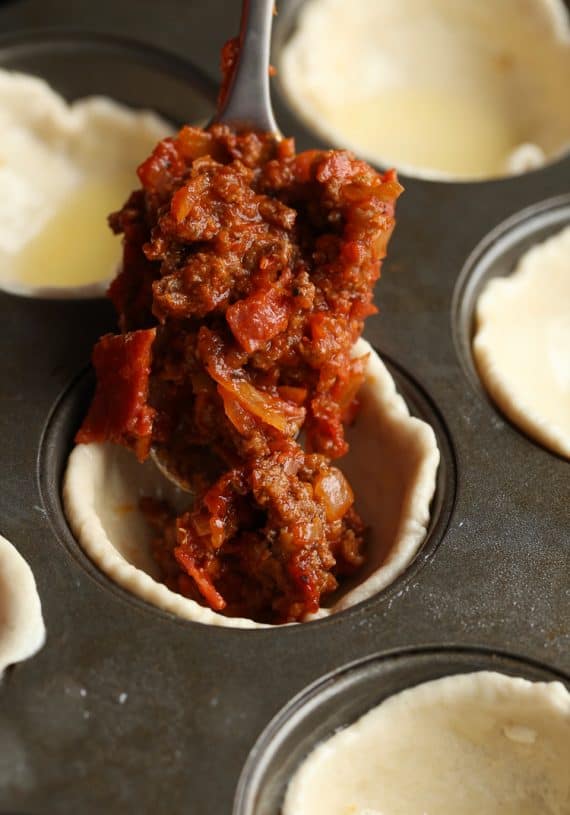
{"x":472,"y":744}
{"x":443,"y":89}
{"x":22,"y":630}
{"x":522,"y":343}
{"x":392,"y":466}
{"x":48,"y":150}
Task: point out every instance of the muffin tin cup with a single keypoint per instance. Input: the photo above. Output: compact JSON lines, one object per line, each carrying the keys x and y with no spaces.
{"x":497,"y":255}
{"x":321,"y":132}
{"x":70,"y":408}
{"x":343,"y":696}
{"x":490,"y":580}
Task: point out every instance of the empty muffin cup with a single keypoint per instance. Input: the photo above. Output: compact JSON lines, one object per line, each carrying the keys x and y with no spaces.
{"x":440,"y":90}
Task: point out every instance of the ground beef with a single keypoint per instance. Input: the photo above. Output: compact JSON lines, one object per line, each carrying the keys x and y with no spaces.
{"x":248,"y":271}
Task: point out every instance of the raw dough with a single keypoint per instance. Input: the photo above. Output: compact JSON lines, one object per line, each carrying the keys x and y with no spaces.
{"x":391,"y":465}
{"x":22,"y":630}
{"x":472,"y":744}
{"x":63,"y":168}
{"x":449,"y":89}
{"x":522,"y":343}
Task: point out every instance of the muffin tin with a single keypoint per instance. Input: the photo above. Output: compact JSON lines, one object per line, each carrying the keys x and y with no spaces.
{"x":128,"y":709}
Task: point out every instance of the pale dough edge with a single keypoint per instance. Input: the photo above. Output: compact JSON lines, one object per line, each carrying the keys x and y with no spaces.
{"x":25,"y":632}
{"x":413,"y":526}
{"x":494,"y":379}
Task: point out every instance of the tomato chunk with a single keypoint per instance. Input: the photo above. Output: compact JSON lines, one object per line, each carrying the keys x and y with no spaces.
{"x":120,"y":411}
{"x":258,"y":318}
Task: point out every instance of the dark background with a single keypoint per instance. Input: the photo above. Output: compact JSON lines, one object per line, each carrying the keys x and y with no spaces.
{"x":195,"y":29}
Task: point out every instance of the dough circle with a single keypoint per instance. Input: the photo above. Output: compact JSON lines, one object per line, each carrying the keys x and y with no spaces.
{"x":522,"y":342}
{"x":462,"y":745}
{"x":22,"y":630}
{"x":392,"y":466}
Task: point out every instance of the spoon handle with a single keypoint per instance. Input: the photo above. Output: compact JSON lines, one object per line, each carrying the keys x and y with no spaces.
{"x":247,"y":105}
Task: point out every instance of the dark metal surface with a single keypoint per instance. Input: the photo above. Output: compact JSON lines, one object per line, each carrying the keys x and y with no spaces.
{"x":198,"y":697}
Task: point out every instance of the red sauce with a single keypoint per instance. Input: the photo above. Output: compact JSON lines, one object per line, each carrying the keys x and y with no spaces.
{"x":248,"y":272}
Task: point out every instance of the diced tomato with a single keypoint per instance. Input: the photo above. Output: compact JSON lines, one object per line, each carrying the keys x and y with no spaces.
{"x":164,"y":164}
{"x":258,"y":318}
{"x":120,"y":412}
{"x":200,"y":576}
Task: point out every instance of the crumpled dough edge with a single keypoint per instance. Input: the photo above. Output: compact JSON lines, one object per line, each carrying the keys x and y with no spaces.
{"x":495,"y":379}
{"x":88,"y":465}
{"x":22,"y":629}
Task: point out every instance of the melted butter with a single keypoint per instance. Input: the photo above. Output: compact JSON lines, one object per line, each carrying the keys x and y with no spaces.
{"x":76,"y":246}
{"x":432,"y":128}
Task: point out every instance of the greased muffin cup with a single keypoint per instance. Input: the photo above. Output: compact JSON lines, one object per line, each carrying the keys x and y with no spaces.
{"x":128,"y":707}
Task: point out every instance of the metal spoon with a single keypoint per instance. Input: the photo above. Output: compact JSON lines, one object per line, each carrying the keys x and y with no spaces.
{"x":247,"y":106}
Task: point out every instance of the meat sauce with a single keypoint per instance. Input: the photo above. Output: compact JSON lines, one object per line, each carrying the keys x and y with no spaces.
{"x":248,"y":271}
